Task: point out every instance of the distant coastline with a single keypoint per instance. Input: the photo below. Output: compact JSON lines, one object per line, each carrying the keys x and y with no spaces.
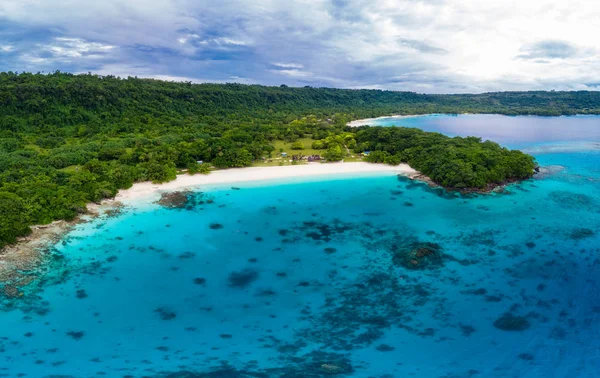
{"x":367,"y":121}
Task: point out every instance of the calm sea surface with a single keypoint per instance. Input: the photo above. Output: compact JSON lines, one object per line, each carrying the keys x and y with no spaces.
{"x":317,"y":279}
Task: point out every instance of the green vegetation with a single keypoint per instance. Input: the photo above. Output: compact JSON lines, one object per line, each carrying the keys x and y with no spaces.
{"x":66,"y":140}
{"x":456,"y":163}
{"x":297,"y":145}
{"x":275,"y":159}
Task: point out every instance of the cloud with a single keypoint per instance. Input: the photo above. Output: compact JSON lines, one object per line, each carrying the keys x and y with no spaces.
{"x":293,"y":73}
{"x":288,"y":65}
{"x":422,"y":46}
{"x":426,"y":46}
{"x":549,"y":50}
{"x":76,"y":48}
{"x":230,"y":41}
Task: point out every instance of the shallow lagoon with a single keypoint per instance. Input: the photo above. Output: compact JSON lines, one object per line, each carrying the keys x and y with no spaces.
{"x":304,"y":280}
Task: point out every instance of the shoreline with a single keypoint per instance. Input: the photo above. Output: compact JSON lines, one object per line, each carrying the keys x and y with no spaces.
{"x":19,"y":260}
{"x":278,"y":174}
{"x":366,"y":121}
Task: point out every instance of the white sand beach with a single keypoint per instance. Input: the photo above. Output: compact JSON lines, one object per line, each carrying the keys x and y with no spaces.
{"x":369,"y":121}
{"x":289,"y":173}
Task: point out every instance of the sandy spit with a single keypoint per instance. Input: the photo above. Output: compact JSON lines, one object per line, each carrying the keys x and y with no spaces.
{"x":369,"y":121}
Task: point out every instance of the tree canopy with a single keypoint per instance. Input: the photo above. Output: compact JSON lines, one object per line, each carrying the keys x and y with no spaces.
{"x":456,"y":163}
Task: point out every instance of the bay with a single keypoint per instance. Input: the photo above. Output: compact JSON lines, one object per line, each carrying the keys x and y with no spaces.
{"x":316,"y":278}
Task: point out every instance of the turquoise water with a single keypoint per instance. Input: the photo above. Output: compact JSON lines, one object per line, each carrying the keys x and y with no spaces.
{"x":311,"y":280}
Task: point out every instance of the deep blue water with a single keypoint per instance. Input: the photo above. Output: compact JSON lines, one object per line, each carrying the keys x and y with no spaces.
{"x":305,"y":279}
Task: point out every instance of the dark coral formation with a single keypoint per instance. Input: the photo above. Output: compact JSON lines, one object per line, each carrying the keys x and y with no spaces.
{"x":174,"y":200}
{"x":165,"y":313}
{"x":324,"y":231}
{"x":572,"y":200}
{"x":509,"y":322}
{"x":419,"y":255}
{"x":581,"y":233}
{"x":311,"y":365}
{"x":242,"y":278}
{"x":385,"y":348}
{"x":360,"y":312}
{"x":526,"y":356}
{"x":76,"y":335}
{"x":184,"y":199}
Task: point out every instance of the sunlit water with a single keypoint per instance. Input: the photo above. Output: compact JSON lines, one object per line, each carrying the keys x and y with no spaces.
{"x":309,"y":280}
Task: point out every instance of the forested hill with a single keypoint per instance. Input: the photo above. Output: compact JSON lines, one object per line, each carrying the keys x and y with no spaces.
{"x":64,"y":99}
{"x":67,"y":140}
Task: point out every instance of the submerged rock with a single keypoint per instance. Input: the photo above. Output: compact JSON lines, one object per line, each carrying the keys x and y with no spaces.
{"x":419,"y":255}
{"x":242,"y":278}
{"x":581,"y":233}
{"x":332,"y":369}
{"x":184,"y":199}
{"x":572,"y":200}
{"x":385,"y":348}
{"x":509,"y":322}
{"x":174,"y":200}
{"x":526,"y":356}
{"x":76,"y":335}
{"x":548,"y":171}
{"x":165,"y":313}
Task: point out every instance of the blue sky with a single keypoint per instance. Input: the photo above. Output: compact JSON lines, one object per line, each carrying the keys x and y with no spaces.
{"x":435,"y":46}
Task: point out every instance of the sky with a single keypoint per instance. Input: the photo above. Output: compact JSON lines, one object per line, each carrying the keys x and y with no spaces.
{"x":433,"y":46}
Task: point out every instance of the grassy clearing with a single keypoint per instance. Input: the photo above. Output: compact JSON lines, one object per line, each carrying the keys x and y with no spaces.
{"x":287,"y":147}
{"x":283,"y":146}
{"x":71,"y":169}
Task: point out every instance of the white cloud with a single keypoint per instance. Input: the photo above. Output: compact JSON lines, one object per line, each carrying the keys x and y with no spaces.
{"x":293,"y":73}
{"x":288,"y":65}
{"x":66,"y":50}
{"x":432,"y":46}
{"x":76,"y":48}
{"x":6,"y":48}
{"x":230,"y":41}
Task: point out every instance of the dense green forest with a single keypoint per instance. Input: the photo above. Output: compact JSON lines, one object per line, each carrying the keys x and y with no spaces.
{"x":66,"y":140}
